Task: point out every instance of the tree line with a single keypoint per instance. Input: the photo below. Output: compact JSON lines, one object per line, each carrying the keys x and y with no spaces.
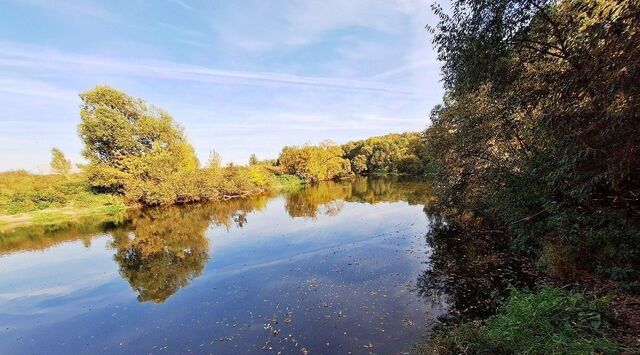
{"x":139,"y":153}
{"x":539,"y":134}
{"x":539,"y":126}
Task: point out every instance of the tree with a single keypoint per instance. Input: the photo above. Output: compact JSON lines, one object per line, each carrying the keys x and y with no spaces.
{"x":253,"y":159}
{"x":539,"y":125}
{"x":386,"y":154}
{"x":214,"y":161}
{"x":132,"y":148}
{"x":315,"y":163}
{"x":359,"y":164}
{"x":59,"y":163}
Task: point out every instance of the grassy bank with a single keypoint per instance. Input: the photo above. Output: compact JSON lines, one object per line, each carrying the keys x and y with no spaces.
{"x":29,"y":199}
{"x":550,"y":321}
{"x":24,"y":193}
{"x":48,"y":200}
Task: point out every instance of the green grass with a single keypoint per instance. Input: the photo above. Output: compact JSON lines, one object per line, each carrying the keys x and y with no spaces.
{"x":551,"y":321}
{"x":30,"y":199}
{"x":22,"y":192}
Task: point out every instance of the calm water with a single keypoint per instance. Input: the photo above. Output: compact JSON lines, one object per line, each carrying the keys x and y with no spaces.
{"x":334,"y":268}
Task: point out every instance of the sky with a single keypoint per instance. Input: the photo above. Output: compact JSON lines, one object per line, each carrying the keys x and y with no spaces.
{"x":241,"y":77}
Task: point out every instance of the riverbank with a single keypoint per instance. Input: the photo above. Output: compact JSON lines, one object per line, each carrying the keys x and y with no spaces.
{"x":55,"y":200}
{"x":550,"y":320}
{"x":60,"y":216}
{"x":509,"y":303}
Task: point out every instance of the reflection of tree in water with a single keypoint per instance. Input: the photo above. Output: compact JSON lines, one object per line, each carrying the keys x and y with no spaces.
{"x":375,"y":190}
{"x":471,"y":268}
{"x":323,"y":198}
{"x":234,"y":212}
{"x":327,"y":198}
{"x":40,"y":237}
{"x":167,"y":247}
{"x":164,"y":252}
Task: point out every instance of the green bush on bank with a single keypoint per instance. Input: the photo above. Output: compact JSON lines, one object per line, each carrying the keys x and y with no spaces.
{"x":551,"y":321}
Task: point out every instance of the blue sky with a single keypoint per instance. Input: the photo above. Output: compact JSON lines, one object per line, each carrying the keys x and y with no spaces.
{"x":240,"y":76}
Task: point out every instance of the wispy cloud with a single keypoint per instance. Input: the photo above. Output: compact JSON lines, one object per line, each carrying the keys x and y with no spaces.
{"x":34,"y":88}
{"x":77,"y":7}
{"x":241,"y":76}
{"x":183,"y":4}
{"x":39,"y":59}
{"x":301,"y":22}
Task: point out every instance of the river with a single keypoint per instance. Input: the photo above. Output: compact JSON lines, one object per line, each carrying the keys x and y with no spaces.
{"x":339,"y":267}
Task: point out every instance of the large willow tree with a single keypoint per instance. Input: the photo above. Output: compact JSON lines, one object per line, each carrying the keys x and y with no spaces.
{"x":133,"y":148}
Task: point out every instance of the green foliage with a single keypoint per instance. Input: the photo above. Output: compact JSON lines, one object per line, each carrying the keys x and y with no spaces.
{"x":315,"y":163}
{"x":139,"y":151}
{"x":538,"y":125}
{"x":59,"y":163}
{"x":132,"y":148}
{"x":550,"y":321}
{"x":392,"y":153}
{"x":288,"y":183}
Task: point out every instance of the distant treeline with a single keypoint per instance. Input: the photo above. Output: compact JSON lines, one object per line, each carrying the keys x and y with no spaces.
{"x":138,"y":155}
{"x":388,"y":154}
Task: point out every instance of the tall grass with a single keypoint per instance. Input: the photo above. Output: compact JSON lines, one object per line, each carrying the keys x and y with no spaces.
{"x":23,"y":192}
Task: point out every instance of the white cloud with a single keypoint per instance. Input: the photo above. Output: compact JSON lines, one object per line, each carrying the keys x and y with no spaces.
{"x":38,"y":59}
{"x":240,"y":76}
{"x":260,"y":25}
{"x":34,"y":88}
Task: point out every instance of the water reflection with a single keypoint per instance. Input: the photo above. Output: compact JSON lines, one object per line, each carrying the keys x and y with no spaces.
{"x":328,"y":198}
{"x":471,"y":268}
{"x":164,"y":249}
{"x":163,"y":252}
{"x":47,"y":236}
{"x":325,"y":198}
{"x":329,"y":268}
{"x":160,"y":251}
{"x":332,"y":268}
